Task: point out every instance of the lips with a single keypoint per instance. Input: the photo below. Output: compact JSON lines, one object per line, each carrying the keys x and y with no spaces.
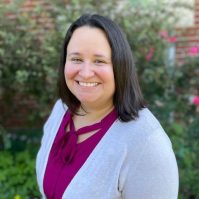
{"x":88,"y":84}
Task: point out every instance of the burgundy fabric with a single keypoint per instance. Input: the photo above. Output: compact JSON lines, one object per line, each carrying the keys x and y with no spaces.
{"x":67,"y":156}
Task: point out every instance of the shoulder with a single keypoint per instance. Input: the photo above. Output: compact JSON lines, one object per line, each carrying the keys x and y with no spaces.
{"x":59,"y":106}
{"x":146,"y":121}
{"x":55,"y":115}
{"x":138,"y":137}
{"x":142,"y":129}
{"x":133,"y":139}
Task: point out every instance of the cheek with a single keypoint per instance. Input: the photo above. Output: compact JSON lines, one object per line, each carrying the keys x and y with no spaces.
{"x":69,"y":71}
{"x":108,"y":75}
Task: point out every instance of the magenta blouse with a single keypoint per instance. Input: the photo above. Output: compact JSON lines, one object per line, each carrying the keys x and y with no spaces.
{"x":67,"y":156}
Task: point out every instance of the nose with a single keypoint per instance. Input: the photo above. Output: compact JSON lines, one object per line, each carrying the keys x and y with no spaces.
{"x":86,"y":71}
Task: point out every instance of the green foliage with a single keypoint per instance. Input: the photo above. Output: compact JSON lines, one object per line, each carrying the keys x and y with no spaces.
{"x":186,"y":133}
{"x":28,"y":66}
{"x":5,"y":142}
{"x":17,"y":176}
{"x":17,"y":165}
{"x":28,"y":60}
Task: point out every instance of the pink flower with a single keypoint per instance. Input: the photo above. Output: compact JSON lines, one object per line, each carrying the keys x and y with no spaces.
{"x":171,"y":39}
{"x":196,"y":100}
{"x":194,"y":50}
{"x":164,"y":33}
{"x":150,"y":54}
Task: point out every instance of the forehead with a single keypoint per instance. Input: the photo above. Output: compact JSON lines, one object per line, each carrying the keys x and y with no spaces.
{"x":87,"y":35}
{"x":87,"y":38}
{"x":89,"y":29}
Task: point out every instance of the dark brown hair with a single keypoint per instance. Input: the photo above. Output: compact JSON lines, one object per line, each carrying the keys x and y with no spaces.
{"x":127,"y":99}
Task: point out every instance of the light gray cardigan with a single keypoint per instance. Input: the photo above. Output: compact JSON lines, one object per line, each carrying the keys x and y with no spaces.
{"x":133,"y":160}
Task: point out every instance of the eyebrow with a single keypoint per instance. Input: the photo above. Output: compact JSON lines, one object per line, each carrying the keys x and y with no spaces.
{"x":101,"y":56}
{"x":75,"y":53}
{"x":96,"y":55}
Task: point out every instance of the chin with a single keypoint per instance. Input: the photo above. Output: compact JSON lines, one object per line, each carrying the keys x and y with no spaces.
{"x":85,"y":99}
{"x":88,"y":101}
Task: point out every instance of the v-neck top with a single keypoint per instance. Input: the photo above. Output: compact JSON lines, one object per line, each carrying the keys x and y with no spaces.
{"x":67,"y":156}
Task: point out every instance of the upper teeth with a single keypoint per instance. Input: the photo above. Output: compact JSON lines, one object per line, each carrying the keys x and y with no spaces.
{"x":88,"y":83}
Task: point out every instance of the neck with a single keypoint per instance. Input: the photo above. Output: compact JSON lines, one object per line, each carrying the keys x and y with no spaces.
{"x":94,"y":114}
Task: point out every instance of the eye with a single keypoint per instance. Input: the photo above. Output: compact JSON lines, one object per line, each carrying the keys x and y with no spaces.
{"x":97,"y":61}
{"x":76,"y":60}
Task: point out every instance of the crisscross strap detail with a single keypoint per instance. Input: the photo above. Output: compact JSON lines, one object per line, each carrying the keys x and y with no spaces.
{"x":66,"y":146}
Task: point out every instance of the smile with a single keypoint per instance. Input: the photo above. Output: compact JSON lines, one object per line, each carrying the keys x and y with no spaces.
{"x":88,"y":84}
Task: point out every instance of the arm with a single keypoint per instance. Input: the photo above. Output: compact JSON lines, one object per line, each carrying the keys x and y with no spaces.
{"x":155,"y":174}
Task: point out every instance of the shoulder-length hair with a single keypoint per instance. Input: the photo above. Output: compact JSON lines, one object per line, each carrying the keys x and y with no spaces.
{"x":127,"y":99}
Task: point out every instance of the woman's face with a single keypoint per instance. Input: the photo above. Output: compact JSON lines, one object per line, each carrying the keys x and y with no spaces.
{"x":88,"y":69}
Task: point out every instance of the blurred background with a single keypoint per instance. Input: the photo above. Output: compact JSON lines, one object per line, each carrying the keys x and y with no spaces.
{"x":164,"y":37}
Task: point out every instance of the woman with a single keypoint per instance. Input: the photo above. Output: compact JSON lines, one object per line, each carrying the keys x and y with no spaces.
{"x":100,"y":141}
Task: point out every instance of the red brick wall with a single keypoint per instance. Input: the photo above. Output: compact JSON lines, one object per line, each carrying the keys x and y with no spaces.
{"x":187,"y":37}
{"x":28,"y":9}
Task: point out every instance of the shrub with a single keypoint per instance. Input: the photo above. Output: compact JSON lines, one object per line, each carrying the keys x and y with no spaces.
{"x":28,"y":63}
{"x":17,"y":175}
{"x":17,"y":166}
